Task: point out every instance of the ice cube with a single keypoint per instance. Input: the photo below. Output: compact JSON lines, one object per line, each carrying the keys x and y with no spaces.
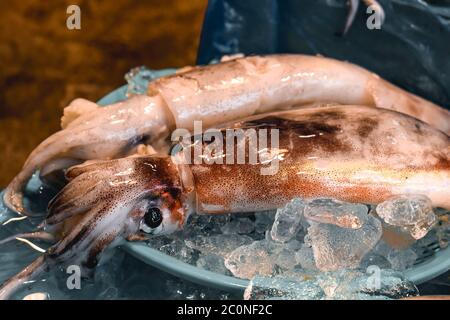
{"x":264,"y":257}
{"x":203,"y":225}
{"x":254,"y":259}
{"x":212,"y":262}
{"x":336,"y":248}
{"x":401,"y":259}
{"x":397,"y":259}
{"x":240,"y":225}
{"x":305,"y":258}
{"x":414,"y":213}
{"x":179,"y":250}
{"x":396,"y":237}
{"x":220,"y":244}
{"x":382,"y":248}
{"x":339,"y":213}
{"x":288,"y":221}
{"x":158,"y":241}
{"x":264,"y":288}
{"x":264,"y":220}
{"x":375,"y":284}
{"x":285,"y":257}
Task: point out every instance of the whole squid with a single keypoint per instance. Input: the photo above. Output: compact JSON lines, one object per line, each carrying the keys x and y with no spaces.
{"x":228,"y":91}
{"x":352,"y":153}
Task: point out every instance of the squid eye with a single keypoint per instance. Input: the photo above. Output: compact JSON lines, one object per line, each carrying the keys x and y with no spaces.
{"x":153,"y":217}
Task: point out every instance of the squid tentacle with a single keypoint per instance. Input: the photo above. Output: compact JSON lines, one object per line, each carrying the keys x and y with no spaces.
{"x":30,"y":272}
{"x":71,"y":202}
{"x":41,"y":235}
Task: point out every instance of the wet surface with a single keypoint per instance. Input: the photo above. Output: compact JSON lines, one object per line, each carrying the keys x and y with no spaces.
{"x":43,"y":65}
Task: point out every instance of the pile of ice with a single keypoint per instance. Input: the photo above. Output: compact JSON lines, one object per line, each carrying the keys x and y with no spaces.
{"x":309,"y":249}
{"x":343,"y":284}
{"x":321,"y":240}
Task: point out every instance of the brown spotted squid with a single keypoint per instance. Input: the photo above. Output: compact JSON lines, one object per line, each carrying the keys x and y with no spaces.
{"x":347,"y":152}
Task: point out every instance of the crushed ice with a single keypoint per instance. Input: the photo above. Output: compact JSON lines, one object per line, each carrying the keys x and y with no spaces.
{"x":412,"y":213}
{"x":316,"y":249}
{"x":309,"y":249}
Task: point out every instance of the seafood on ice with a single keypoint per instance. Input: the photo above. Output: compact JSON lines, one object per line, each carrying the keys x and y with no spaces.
{"x":348,"y":152}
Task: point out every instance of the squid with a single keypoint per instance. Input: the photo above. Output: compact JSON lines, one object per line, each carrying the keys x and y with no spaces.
{"x":214,"y":94}
{"x":347,"y":152}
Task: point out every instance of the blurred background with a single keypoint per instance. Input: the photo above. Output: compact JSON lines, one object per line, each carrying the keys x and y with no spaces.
{"x":43,"y":65}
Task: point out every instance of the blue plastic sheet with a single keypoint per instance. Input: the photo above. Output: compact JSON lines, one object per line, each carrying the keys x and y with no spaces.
{"x":412,"y":48}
